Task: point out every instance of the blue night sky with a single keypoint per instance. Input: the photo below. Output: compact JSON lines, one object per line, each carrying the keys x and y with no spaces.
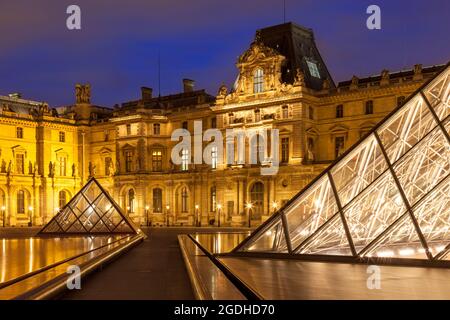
{"x":117,"y":49}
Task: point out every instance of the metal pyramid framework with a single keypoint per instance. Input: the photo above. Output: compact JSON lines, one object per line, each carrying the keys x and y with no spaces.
{"x":388,"y":196}
{"x":91,"y":211}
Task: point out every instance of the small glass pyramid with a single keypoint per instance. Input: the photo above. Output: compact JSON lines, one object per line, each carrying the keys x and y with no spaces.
{"x":388,"y":196}
{"x":91,"y":211}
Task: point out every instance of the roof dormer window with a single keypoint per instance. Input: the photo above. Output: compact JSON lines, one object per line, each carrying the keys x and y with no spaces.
{"x":258,"y":81}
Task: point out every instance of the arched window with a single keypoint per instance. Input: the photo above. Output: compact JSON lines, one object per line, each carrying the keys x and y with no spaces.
{"x":130,"y":205}
{"x":184,"y":200}
{"x":258,"y":81}
{"x":157,"y":200}
{"x":213,"y":199}
{"x":257,"y":200}
{"x":62,"y":199}
{"x":20,"y":201}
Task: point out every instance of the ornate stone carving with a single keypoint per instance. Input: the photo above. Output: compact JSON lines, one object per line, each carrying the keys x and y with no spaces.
{"x":418,"y":72}
{"x":83,"y":93}
{"x":223,"y":91}
{"x":299,"y":78}
{"x":355,"y":83}
{"x":384,"y":77}
{"x":326,"y":84}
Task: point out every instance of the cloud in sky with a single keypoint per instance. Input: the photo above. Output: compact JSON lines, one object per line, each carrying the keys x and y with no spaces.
{"x":117,"y":49}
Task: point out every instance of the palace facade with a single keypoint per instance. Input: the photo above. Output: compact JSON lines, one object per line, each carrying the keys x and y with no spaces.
{"x":48,"y":154}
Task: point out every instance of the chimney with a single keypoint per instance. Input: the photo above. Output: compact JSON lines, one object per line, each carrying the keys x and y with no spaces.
{"x":188,"y":85}
{"x":146,"y":93}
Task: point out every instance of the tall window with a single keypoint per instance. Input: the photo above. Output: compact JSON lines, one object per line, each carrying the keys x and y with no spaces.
{"x":285,"y":110}
{"x":62,"y":136}
{"x":19,"y":132}
{"x":338,"y":146}
{"x":20,"y":201}
{"x":313,"y":70}
{"x":214,"y":122}
{"x":340,"y":111}
{"x":214,"y":157}
{"x":285,"y":150}
{"x":157,"y":160}
{"x":185,"y":125}
{"x":257,"y":199}
{"x":311,"y":113}
{"x":156,"y":129}
{"x":20,"y":163}
{"x":400,"y":100}
{"x":108,"y":162}
{"x":257,"y":115}
{"x":369,"y":107}
{"x":128,"y":161}
{"x":106,"y":135}
{"x":128,"y":129}
{"x":157,"y":200}
{"x":62,"y":166}
{"x":213,"y":199}
{"x":130,"y":205}
{"x":184,"y":200}
{"x":62,"y":199}
{"x":258,"y":81}
{"x":185,"y":159}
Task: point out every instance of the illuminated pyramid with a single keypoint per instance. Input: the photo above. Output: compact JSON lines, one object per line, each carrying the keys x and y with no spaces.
{"x":388,"y":196}
{"x":91,"y":211}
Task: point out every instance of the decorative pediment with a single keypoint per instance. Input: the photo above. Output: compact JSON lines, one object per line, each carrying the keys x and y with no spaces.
{"x":128,"y":146}
{"x":257,"y":51}
{"x":339,"y":129}
{"x":18,"y":149}
{"x":105,"y":151}
{"x":312,"y":131}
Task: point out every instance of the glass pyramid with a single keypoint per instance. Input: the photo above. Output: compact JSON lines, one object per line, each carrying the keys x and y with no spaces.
{"x":388,"y":196}
{"x":91,"y":211}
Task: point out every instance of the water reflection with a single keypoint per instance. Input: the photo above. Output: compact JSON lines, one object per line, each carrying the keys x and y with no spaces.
{"x":21,"y":256}
{"x":220,"y":242}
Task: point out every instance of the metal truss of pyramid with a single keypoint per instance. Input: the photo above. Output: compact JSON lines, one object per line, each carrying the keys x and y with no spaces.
{"x":91,"y":211}
{"x":388,"y":196}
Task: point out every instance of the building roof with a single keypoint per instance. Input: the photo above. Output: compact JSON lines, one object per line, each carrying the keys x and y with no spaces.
{"x":298,"y":45}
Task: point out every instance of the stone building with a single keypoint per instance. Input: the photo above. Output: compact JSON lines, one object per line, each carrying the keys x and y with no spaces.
{"x":47,"y":154}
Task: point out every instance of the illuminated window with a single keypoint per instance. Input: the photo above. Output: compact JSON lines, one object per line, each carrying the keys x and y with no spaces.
{"x":128,"y":161}
{"x":157,"y":160}
{"x":62,"y":136}
{"x":131,"y":199}
{"x":19,"y":132}
{"x":20,"y":163}
{"x":257,"y":200}
{"x":369,"y":107}
{"x":108,"y":162}
{"x":213,"y":199}
{"x":313,"y":70}
{"x":62,"y":199}
{"x":156,"y":129}
{"x":128,"y":129}
{"x":214,"y":157}
{"x":340,"y":111}
{"x":258,"y":81}
{"x":185,"y":159}
{"x":184,"y":200}
{"x":20,"y":201}
{"x":62,"y":166}
{"x":285,"y":150}
{"x":157,"y":200}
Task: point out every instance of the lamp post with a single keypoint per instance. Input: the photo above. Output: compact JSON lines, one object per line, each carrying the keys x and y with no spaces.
{"x":3,"y":215}
{"x":167,"y":215}
{"x":30,"y":209}
{"x":146,"y":215}
{"x":197,"y":222}
{"x":249,"y":207}
{"x":219,"y":207}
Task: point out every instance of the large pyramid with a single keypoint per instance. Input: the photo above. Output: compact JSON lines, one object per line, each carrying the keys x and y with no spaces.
{"x":91,"y":211}
{"x":388,"y":196}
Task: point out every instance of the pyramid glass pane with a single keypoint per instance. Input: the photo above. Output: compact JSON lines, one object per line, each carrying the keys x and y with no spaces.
{"x":330,"y":240}
{"x":406,"y":127}
{"x":424,"y":166}
{"x":270,"y":240}
{"x":310,"y":211}
{"x":91,"y":211}
{"x":401,"y":241}
{"x":381,"y":222}
{"x":438,"y":94}
{"x":433,"y":217}
{"x":371,"y":212}
{"x":358,"y":169}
